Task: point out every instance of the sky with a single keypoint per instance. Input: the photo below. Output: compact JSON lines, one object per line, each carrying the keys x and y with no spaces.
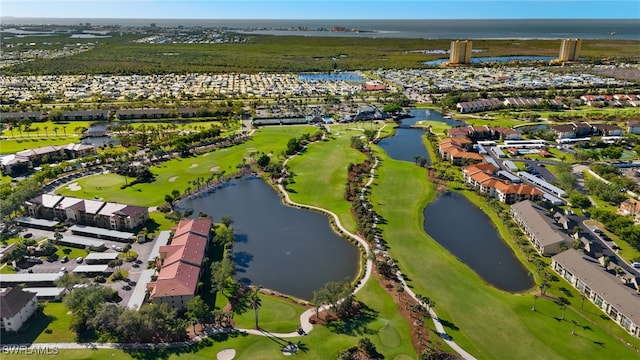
{"x":325,"y":9}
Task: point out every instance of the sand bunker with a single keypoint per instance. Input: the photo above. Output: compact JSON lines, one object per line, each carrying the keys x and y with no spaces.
{"x":194,"y":165}
{"x":214,"y":168}
{"x":74,"y":186}
{"x":226,"y":354}
{"x":173,"y":178}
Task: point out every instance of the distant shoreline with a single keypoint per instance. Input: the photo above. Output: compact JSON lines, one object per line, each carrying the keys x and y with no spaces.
{"x":521,"y":29}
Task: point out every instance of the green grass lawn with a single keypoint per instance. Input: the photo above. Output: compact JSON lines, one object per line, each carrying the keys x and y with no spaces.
{"x":276,"y":315}
{"x":73,"y":253}
{"x":489,"y":323}
{"x":176,"y":174}
{"x":437,"y":127}
{"x":7,"y":269}
{"x":320,"y":175}
{"x":54,"y":318}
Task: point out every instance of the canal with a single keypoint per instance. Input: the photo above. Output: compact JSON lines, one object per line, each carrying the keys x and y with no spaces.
{"x":276,"y":246}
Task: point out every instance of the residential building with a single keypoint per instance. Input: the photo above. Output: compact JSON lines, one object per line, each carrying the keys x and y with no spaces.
{"x":544,"y":233}
{"x":608,"y":129}
{"x":456,"y":151}
{"x":572,"y":130}
{"x":630,"y":207}
{"x":507,"y":134}
{"x":619,"y":300}
{"x":47,"y":154}
{"x":374,"y":86}
{"x":85,"y":115}
{"x":22,"y":115}
{"x":633,"y":127}
{"x":16,"y":307}
{"x":481,"y":177}
{"x":182,"y":264}
{"x":570,"y":50}
{"x":87,"y":212}
{"x":460,"y":52}
{"x":479,"y":105}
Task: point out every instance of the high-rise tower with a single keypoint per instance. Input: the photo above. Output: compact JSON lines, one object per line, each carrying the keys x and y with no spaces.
{"x":569,"y":50}
{"x":460,"y":52}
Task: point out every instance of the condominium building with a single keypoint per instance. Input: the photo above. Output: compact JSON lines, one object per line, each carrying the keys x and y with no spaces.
{"x":570,"y":50}
{"x":460,"y":52}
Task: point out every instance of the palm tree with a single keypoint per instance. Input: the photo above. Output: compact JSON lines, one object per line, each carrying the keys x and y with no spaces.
{"x":255,"y":302}
{"x":55,"y":130}
{"x":46,"y":132}
{"x":535,"y":299}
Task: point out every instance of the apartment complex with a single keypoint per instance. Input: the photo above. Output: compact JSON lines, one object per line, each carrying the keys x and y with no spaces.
{"x":460,"y":52}
{"x":25,"y":159}
{"x":456,"y":151}
{"x":182,"y":264}
{"x":481,"y":177}
{"x":102,"y":214}
{"x":570,"y":50}
{"x":616,"y":298}
{"x":545,"y":232}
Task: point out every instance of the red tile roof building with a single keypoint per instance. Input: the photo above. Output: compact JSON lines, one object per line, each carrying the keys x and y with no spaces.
{"x":182,"y":264}
{"x":456,"y":151}
{"x":480,"y":176}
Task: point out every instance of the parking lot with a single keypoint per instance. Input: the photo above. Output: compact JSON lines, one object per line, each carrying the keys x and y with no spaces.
{"x":124,"y":287}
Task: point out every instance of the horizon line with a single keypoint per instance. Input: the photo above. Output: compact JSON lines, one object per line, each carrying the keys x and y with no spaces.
{"x":377,"y":19}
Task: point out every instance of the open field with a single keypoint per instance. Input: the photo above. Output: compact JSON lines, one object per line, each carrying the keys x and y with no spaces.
{"x":291,"y":54}
{"x":476,"y":313}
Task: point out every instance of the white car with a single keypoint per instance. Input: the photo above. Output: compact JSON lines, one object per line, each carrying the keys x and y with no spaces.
{"x":636,"y":265}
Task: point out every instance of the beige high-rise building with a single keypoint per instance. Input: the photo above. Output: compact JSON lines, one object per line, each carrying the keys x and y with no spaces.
{"x":460,"y":52}
{"x":570,"y":50}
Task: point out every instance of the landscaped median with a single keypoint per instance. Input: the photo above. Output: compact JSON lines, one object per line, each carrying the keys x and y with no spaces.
{"x":486,"y":322}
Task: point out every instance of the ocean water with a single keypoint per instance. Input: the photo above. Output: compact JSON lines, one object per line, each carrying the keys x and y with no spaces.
{"x":625,"y":29}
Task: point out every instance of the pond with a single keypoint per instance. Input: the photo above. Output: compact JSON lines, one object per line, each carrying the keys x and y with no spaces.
{"x":276,"y":246}
{"x":497,"y":59}
{"x":407,"y":143}
{"x":467,"y":232}
{"x":333,"y":76}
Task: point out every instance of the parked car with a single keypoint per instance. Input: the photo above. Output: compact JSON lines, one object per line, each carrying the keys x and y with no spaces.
{"x":63,"y":269}
{"x":636,"y":265}
{"x":27,"y":235}
{"x":79,"y":260}
{"x":64,"y":259}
